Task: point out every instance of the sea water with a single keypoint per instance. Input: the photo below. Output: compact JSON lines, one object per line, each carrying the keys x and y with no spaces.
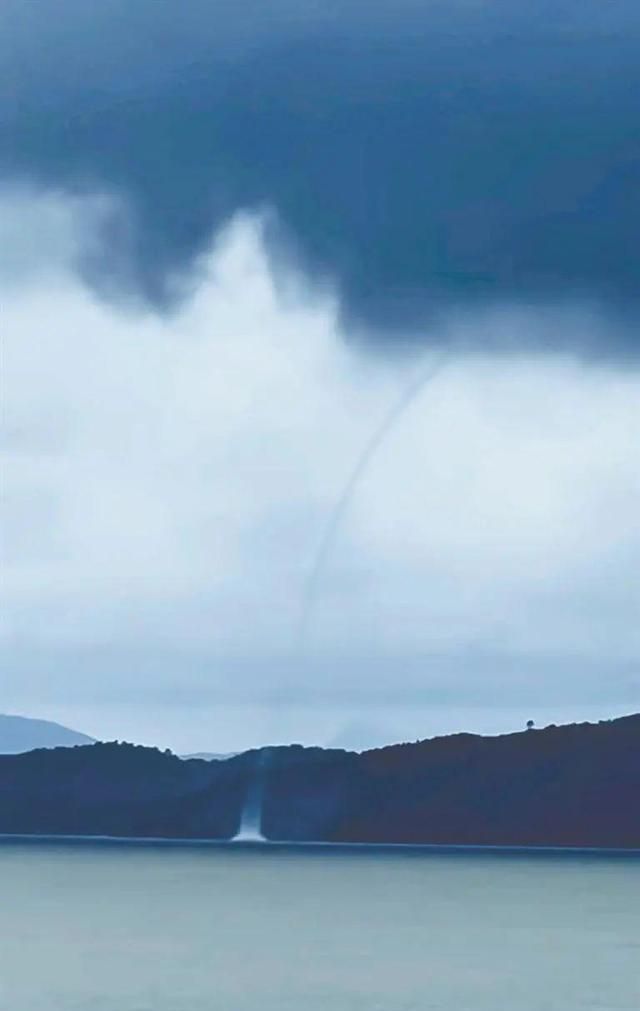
{"x":98,"y":927}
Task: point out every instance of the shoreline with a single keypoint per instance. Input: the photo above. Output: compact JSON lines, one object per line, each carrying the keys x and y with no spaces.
{"x":268,"y":845}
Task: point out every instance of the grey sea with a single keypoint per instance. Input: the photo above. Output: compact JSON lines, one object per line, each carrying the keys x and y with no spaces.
{"x":108,"y":927}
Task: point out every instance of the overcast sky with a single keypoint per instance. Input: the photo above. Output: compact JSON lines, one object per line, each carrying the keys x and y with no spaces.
{"x":228,"y":250}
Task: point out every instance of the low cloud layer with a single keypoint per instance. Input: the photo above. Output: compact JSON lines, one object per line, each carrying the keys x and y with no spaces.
{"x":167,"y":478}
{"x":422,"y":156}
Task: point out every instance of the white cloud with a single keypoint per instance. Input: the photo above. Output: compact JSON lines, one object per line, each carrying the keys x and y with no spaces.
{"x":166,"y":481}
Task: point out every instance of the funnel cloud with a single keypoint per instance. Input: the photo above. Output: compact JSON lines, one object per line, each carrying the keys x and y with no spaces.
{"x":232,"y":236}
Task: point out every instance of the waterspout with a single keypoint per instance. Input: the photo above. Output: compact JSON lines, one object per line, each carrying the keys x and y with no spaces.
{"x":409,"y":394}
{"x":250,"y":829}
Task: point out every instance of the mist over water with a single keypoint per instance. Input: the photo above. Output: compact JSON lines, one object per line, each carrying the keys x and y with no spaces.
{"x":251,"y":822}
{"x":92,"y":927}
{"x":250,"y":829}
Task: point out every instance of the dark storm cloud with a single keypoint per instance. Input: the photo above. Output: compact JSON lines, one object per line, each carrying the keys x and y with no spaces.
{"x":423,"y":154}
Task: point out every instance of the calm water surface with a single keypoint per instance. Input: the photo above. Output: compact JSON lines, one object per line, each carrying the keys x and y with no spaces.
{"x":144,"y":928}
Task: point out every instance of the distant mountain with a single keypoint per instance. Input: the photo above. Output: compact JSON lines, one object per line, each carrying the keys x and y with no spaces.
{"x":575,"y":785}
{"x":210,"y":756}
{"x":18,"y":734}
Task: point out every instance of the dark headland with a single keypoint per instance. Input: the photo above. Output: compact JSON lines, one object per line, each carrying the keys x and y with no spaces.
{"x":568,"y":786}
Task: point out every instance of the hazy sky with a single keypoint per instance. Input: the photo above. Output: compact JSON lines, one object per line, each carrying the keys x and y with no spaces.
{"x":227,"y":246}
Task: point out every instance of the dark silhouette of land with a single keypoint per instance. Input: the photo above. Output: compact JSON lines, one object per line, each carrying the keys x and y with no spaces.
{"x":575,"y":785}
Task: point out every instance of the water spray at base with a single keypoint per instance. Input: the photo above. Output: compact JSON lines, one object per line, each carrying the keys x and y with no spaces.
{"x":250,"y":829}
